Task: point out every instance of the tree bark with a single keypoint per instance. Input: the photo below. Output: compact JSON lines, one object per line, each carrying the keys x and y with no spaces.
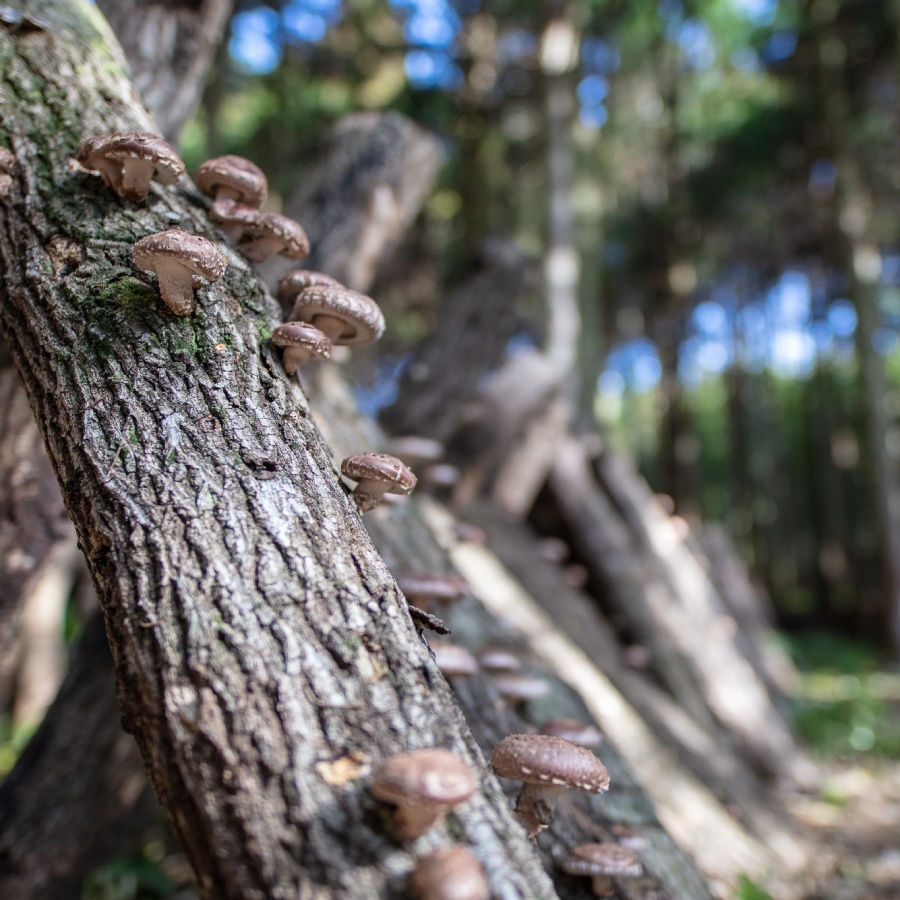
{"x":257,"y":635}
{"x":169,"y":45}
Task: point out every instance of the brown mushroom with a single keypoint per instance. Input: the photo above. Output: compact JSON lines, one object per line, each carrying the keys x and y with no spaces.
{"x":376,"y":474}
{"x":547,"y":766}
{"x":273,"y":234}
{"x":346,"y":316}
{"x":234,"y":219}
{"x":233,"y":178}
{"x":290,"y":286}
{"x":301,"y":342}
{"x":424,"y":785}
{"x":572,"y":730}
{"x":7,"y":167}
{"x":516,"y":688}
{"x":451,"y":873}
{"x":453,"y":660}
{"x":422,"y":590}
{"x":495,"y":660}
{"x":177,"y":258}
{"x":129,"y":160}
{"x":600,"y":862}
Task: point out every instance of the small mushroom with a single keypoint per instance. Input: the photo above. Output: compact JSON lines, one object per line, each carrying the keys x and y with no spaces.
{"x":451,"y":873}
{"x":572,"y":730}
{"x":177,"y":258}
{"x":548,"y":766}
{"x":301,"y":342}
{"x":129,"y":160}
{"x":7,"y":167}
{"x":496,"y":660}
{"x":424,"y":785}
{"x":516,"y":688}
{"x":290,"y":286}
{"x":600,"y":862}
{"x":234,"y":219}
{"x":346,"y":316}
{"x":376,"y":474}
{"x":233,"y":178}
{"x":422,"y":590}
{"x":272,"y":233}
{"x":453,"y":660}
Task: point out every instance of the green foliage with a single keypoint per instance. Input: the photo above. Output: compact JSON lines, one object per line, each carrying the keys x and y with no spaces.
{"x":748,"y":889}
{"x":129,"y":878}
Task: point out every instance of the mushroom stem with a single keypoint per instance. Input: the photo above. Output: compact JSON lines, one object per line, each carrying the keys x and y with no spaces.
{"x":332,"y":326}
{"x":260,"y":249}
{"x":136,"y":177}
{"x":294,"y":357}
{"x":177,"y":290}
{"x":602,"y":885}
{"x":368,"y":493}
{"x":535,"y":805}
{"x":413,"y":820}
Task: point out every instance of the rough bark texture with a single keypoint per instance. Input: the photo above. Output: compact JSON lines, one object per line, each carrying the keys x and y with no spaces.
{"x":258,"y":637}
{"x":170,"y":45}
{"x":71,"y":801}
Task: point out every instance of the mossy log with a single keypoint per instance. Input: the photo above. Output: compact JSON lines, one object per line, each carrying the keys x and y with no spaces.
{"x":257,"y":636}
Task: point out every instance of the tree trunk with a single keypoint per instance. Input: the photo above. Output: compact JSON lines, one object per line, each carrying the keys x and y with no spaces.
{"x":257,"y":636}
{"x":170,"y":45}
{"x":77,"y":793}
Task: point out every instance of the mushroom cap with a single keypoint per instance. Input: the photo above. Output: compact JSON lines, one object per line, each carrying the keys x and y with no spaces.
{"x":299,"y":280}
{"x":451,"y":873}
{"x":423,"y":777}
{"x":380,"y":467}
{"x":498,"y":659}
{"x":300,"y":334}
{"x":452,"y":659}
{"x":124,"y":145}
{"x":231,"y":212}
{"x":362,"y":318}
{"x":195,"y":253}
{"x":291,"y":233}
{"x":515,"y":687}
{"x":572,"y":730}
{"x":434,"y":587}
{"x":603,"y":859}
{"x":236,"y":174}
{"x":544,"y":759}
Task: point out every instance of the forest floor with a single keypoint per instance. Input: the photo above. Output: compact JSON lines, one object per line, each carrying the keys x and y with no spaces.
{"x":856,"y":820}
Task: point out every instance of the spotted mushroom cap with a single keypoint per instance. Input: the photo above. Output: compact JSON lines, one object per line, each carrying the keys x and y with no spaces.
{"x":603,"y":859}
{"x":278,"y":231}
{"x":236,"y":177}
{"x":544,"y":759}
{"x":451,"y":873}
{"x":300,"y":334}
{"x":299,"y":280}
{"x":421,"y":777}
{"x":380,"y":467}
{"x":198,"y":254}
{"x":362,"y":318}
{"x":109,"y":154}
